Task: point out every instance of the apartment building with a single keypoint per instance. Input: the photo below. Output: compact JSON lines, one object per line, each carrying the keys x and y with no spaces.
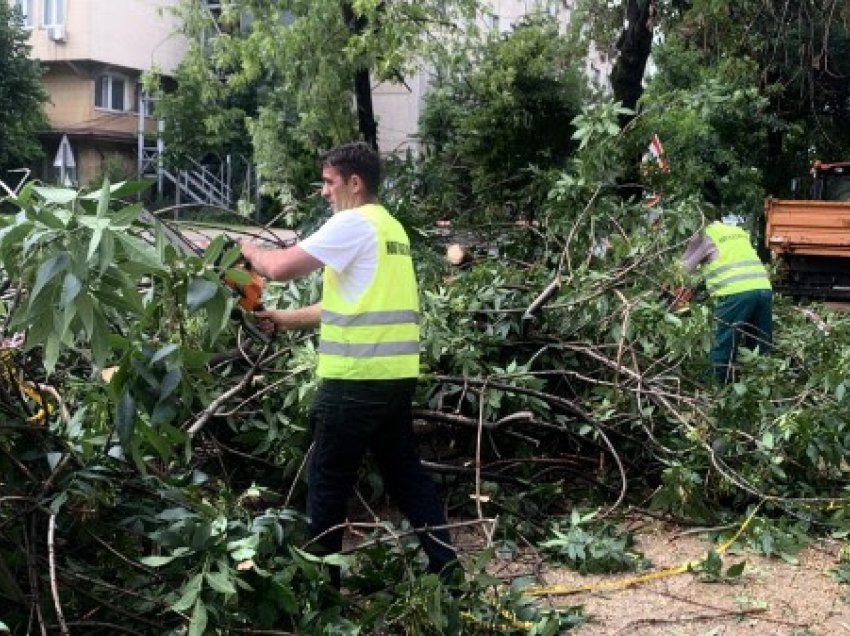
{"x":93,"y":53}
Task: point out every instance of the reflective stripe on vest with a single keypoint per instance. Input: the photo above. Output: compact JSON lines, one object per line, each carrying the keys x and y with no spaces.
{"x":370,"y":318}
{"x":737,"y":267}
{"x":376,"y":336}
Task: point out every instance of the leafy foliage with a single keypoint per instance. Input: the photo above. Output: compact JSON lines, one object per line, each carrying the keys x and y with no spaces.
{"x":22,"y":96}
{"x":592,"y":547}
{"x":526,"y":88}
{"x":710,"y":570}
{"x":239,"y":85}
{"x":171,"y":492}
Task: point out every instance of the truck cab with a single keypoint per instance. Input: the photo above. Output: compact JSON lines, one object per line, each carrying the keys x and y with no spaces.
{"x":831,"y":181}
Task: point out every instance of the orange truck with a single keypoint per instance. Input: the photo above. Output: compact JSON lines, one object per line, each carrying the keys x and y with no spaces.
{"x":809,"y":240}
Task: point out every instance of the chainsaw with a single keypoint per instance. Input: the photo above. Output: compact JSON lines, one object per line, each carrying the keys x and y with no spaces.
{"x":245,"y":283}
{"x":248,"y":292}
{"x":678,"y":299}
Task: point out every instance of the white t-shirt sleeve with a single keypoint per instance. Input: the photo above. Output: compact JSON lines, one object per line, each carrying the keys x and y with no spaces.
{"x":347,"y":244}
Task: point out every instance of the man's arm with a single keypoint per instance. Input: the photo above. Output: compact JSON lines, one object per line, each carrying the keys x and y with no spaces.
{"x":290,"y":319}
{"x":280,"y":265}
{"x":700,"y":249}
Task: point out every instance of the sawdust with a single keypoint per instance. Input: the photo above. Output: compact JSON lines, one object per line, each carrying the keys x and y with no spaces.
{"x":771,"y":597}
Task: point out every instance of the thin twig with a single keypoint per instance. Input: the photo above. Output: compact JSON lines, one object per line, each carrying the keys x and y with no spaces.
{"x":51,"y":559}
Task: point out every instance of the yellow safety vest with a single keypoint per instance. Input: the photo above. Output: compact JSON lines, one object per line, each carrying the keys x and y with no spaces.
{"x":737,"y":267}
{"x":377,"y":336}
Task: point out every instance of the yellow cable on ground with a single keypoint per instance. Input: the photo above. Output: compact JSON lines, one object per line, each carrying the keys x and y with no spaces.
{"x":619,"y":584}
{"x":512,"y":621}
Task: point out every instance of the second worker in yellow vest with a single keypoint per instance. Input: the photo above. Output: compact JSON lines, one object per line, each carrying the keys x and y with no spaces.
{"x":737,"y":280}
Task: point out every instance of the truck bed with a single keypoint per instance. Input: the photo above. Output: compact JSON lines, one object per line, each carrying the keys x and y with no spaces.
{"x":810,"y":228}
{"x":810,"y":243}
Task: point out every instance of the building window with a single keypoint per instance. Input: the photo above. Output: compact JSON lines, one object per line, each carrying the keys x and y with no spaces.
{"x":25,"y":7}
{"x":52,"y":13}
{"x":142,"y":98}
{"x":109,"y":92}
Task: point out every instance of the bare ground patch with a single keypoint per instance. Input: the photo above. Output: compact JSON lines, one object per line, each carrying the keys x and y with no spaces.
{"x":771,"y":597}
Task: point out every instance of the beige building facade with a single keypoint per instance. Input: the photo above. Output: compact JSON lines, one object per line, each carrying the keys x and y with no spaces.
{"x":93,"y":53}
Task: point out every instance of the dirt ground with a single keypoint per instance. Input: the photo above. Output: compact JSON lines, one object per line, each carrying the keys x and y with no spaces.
{"x":771,"y":597}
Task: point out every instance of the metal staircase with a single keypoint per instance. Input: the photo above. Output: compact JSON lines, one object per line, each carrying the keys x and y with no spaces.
{"x":200,"y":183}
{"x":204,"y":184}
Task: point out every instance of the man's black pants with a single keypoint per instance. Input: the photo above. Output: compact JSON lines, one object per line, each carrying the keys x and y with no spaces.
{"x":349,"y":417}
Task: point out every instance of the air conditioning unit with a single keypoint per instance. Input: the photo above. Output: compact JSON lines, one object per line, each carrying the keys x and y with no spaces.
{"x":56,"y":33}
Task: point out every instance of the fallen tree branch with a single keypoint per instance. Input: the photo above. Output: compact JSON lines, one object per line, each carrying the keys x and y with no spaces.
{"x":216,"y":404}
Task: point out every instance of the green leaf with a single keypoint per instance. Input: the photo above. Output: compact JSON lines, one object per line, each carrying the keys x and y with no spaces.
{"x":85,"y":311}
{"x":125,"y":217}
{"x":220,"y":582}
{"x":170,"y":382}
{"x":47,"y":271}
{"x":110,"y":298}
{"x":199,"y":619}
{"x":162,"y":413}
{"x":200,"y":291}
{"x":94,"y":241}
{"x":51,"y":352}
{"x":66,"y":332}
{"x":156,"y":561}
{"x":231,"y":256}
{"x":213,"y":251}
{"x":140,"y":253}
{"x":70,"y":288}
{"x":238,"y":276}
{"x":60,"y":196}
{"x":218,"y":313}
{"x":107,"y":251}
{"x":163,"y":353}
{"x":121,"y":189}
{"x":672,"y":319}
{"x":125,"y":417}
{"x":190,"y":594}
{"x":103,"y":202}
{"x":99,"y":336}
{"x":736,"y":570}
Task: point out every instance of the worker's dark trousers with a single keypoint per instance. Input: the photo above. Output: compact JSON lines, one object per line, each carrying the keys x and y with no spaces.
{"x":349,"y":417}
{"x":744,"y":319}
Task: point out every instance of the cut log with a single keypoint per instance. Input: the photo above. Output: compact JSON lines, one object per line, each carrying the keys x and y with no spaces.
{"x":458,"y":254}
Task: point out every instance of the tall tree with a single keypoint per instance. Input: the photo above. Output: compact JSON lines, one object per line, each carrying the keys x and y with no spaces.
{"x":362,"y":83}
{"x":802,"y":53}
{"x":634,"y":46}
{"x":22,"y":95}
{"x":304,"y":62}
{"x":796,"y":53}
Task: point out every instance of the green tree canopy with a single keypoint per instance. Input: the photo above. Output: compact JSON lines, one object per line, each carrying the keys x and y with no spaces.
{"x":795,"y":54}
{"x":501,"y":114}
{"x":280,"y":76}
{"x":22,"y":95}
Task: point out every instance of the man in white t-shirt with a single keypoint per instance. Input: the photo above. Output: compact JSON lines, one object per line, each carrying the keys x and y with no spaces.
{"x":368,"y":355}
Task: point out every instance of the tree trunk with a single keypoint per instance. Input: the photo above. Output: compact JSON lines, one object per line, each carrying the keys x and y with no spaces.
{"x":366,"y":123}
{"x":634,"y":45}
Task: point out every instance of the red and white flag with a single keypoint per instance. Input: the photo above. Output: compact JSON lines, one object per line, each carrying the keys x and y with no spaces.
{"x":657,"y":152}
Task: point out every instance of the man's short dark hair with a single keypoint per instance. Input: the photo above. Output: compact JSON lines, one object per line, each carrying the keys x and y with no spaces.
{"x":356,"y":158}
